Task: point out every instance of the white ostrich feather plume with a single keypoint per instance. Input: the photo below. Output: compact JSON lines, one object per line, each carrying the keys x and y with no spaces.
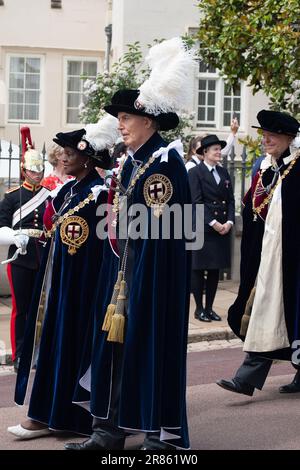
{"x":103,"y":134}
{"x":169,"y":87}
{"x":296,"y":142}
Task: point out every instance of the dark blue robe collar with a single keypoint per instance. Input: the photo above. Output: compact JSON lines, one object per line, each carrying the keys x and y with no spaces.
{"x":141,"y":155}
{"x":147,"y":149}
{"x":91,"y":176}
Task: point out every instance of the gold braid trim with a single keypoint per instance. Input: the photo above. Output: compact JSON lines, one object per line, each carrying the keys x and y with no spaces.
{"x":267,"y":200}
{"x":132,"y":183}
{"x":87,"y":200}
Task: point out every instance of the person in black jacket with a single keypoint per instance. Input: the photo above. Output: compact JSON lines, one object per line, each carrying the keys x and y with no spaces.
{"x":21,"y":222}
{"x":210,"y":185}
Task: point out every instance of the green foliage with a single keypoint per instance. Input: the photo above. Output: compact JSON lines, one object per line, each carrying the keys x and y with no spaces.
{"x":255,"y":40}
{"x":253,"y":149}
{"x":128,"y":72}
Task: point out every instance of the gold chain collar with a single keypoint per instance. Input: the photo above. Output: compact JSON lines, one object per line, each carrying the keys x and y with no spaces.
{"x":87,"y":200}
{"x":267,"y":200}
{"x":133,"y":181}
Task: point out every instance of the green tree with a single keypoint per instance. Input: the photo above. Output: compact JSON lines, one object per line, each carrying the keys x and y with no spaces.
{"x":128,"y":72}
{"x":255,"y":40}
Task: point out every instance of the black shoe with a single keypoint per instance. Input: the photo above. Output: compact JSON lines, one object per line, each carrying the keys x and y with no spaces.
{"x":237,"y":387}
{"x":197,"y":312}
{"x":201,"y":315}
{"x":213,"y":316}
{"x":293,"y":387}
{"x":16,"y":364}
{"x":165,"y":447}
{"x":90,"y":444}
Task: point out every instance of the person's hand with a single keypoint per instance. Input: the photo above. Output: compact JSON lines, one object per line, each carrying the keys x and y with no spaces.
{"x":225,"y":228}
{"x":101,"y":172}
{"x":234,"y":126}
{"x":218,"y":227}
{"x":7,"y":236}
{"x":21,"y":241}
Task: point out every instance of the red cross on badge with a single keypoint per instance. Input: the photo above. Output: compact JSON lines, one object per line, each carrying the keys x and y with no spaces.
{"x":73,"y":231}
{"x":156,"y":190}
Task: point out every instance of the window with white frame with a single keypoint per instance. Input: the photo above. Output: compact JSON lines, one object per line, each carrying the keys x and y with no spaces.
{"x":231,"y":104}
{"x":74,"y":89}
{"x":217,"y":103}
{"x":24,"y":88}
{"x":207,"y":95}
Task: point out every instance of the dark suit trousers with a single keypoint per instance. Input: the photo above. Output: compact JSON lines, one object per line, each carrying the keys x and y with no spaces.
{"x":106,"y":431}
{"x":254,"y":370}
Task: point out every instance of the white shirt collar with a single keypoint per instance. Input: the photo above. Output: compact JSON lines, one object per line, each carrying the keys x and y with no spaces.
{"x":267,"y":161}
{"x":209,"y":166}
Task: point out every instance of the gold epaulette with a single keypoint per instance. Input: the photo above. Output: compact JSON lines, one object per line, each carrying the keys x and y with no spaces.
{"x":11,"y":190}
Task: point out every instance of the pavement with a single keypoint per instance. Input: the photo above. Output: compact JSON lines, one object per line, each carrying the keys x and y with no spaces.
{"x":200,"y":332}
{"x":218,"y":419}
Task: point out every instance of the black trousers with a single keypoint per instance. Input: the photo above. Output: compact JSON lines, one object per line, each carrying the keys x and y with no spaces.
{"x":254,"y":370}
{"x":22,"y":282}
{"x":106,"y":431}
{"x":211,"y":285}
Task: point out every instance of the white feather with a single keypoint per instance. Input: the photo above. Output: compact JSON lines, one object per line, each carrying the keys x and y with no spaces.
{"x":296,"y":142}
{"x":169,"y":87}
{"x":104,"y":133}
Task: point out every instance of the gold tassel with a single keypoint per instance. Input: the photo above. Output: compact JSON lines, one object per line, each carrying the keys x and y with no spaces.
{"x":112,"y":306}
{"x":116,"y":331}
{"x":247,"y":314}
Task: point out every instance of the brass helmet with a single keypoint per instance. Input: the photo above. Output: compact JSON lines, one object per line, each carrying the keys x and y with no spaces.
{"x":31,"y":159}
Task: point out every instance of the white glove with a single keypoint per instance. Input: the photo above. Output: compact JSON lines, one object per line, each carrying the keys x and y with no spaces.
{"x":7,"y":236}
{"x":21,"y":240}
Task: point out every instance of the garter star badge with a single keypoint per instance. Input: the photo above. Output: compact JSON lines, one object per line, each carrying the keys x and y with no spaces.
{"x":158,"y":191}
{"x":82,"y":145}
{"x":74,"y":232}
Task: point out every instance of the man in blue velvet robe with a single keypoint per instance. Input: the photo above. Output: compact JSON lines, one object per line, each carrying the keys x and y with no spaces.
{"x":140,"y":384}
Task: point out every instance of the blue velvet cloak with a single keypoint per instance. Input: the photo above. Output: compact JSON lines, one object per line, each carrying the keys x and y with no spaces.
{"x":250,"y":259}
{"x":66,"y":341}
{"x":153,"y":384}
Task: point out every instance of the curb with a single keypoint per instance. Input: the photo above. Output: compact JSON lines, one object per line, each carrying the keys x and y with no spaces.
{"x":211,"y":335}
{"x":195,"y":337}
{"x":6,"y":358}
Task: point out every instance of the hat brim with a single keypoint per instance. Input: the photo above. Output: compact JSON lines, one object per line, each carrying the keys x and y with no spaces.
{"x":222,"y":143}
{"x":103,"y":156}
{"x":273,"y":131}
{"x":166,"y":121}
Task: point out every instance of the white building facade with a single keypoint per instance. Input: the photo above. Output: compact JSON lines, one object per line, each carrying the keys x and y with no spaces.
{"x":46,"y":46}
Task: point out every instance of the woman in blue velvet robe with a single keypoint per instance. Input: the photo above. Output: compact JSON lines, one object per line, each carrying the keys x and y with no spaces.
{"x":67,"y":331}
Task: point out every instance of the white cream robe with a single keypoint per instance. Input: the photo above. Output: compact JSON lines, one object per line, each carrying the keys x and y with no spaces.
{"x":267,"y":328}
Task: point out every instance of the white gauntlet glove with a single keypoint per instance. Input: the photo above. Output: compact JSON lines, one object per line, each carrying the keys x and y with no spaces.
{"x":21,"y":241}
{"x":7,"y":236}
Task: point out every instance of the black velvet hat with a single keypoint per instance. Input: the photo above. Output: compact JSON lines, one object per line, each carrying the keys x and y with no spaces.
{"x":124,"y":101}
{"x":278,"y":123}
{"x":76,"y":140}
{"x":208,"y":141}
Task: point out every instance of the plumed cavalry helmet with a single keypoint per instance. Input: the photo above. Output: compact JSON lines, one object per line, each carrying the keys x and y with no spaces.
{"x":31,"y":159}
